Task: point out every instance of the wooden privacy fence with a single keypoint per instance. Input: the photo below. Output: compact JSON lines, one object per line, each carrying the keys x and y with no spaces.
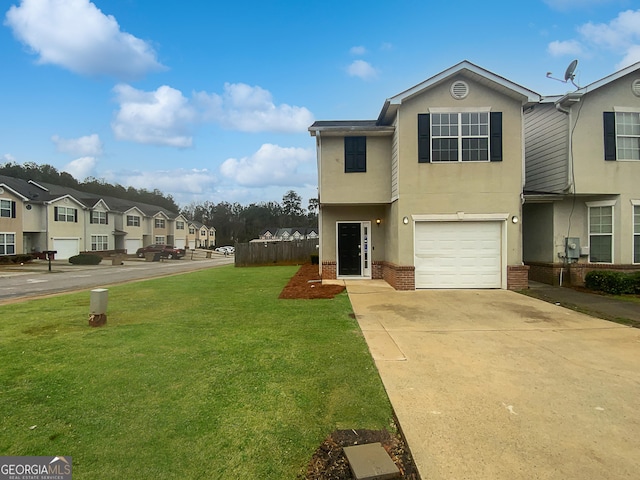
{"x":275,"y":253}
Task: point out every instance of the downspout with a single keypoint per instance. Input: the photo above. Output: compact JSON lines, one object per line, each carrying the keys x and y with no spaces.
{"x":320,"y":237}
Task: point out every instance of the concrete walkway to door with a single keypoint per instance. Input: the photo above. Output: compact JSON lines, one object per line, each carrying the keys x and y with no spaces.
{"x":490,"y":384}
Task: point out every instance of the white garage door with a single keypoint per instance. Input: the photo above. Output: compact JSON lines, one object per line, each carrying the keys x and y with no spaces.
{"x":458,"y":255}
{"x":66,"y":247}
{"x":132,"y":244}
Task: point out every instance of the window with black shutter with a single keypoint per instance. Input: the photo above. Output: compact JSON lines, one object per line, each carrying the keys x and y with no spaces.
{"x":355,"y":154}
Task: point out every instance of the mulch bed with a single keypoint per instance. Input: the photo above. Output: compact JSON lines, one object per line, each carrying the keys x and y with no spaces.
{"x":306,"y":283}
{"x":329,"y":461}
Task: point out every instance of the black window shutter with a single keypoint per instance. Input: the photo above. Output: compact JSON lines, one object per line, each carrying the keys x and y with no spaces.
{"x":495,"y":136}
{"x":355,"y":154}
{"x":106,"y":218}
{"x":609,"y":119}
{"x":75,"y":215}
{"x":91,"y":217}
{"x":424,"y":138}
{"x":13,"y":209}
{"x":55,"y":214}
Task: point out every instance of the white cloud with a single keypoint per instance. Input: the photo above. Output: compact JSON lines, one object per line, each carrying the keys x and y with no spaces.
{"x":177,"y":182}
{"x":81,"y":168}
{"x":89,"y":145}
{"x":569,"y":47}
{"x":574,"y":4}
{"x":76,"y":35}
{"x":7,"y":157}
{"x":620,"y":37}
{"x":161,"y":117}
{"x":358,"y":50}
{"x":251,"y":109}
{"x":362,"y":69}
{"x":270,"y":165}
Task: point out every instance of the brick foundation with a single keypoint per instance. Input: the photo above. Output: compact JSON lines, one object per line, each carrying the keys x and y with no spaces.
{"x":398,"y":276}
{"x":329,"y":271}
{"x":517,"y":277}
{"x":572,"y":274}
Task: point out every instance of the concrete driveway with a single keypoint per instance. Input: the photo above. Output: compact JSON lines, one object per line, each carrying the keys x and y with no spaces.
{"x":490,"y":384}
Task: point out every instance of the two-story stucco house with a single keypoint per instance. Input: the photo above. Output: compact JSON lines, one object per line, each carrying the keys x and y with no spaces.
{"x":429,"y":194}
{"x":582,"y":191}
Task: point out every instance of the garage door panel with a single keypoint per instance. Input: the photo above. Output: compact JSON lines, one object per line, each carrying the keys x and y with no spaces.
{"x":458,"y":255}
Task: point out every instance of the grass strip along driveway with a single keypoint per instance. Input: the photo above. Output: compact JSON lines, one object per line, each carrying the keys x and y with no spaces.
{"x":202,"y":375}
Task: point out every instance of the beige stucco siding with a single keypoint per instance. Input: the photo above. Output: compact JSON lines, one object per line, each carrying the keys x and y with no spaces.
{"x":372,"y":186}
{"x":13,"y":225}
{"x":65,"y":229}
{"x":470,"y":187}
{"x":592,"y":173}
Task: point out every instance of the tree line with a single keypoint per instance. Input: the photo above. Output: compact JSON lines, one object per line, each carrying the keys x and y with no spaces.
{"x":49,"y":174}
{"x":240,"y":223}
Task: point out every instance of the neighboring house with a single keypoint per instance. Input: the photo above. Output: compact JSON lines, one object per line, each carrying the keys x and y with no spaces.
{"x":428,"y":195}
{"x":35,"y":217}
{"x":286,"y":234}
{"x":203,"y":235}
{"x":582,"y":190}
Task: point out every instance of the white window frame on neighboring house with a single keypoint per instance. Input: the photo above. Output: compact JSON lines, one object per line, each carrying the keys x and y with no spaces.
{"x":66,"y":214}
{"x":599,"y":230}
{"x":99,"y":217}
{"x":133,"y":221}
{"x":192,"y":231}
{"x":160,"y":240}
{"x":6,"y":208}
{"x":7,"y":243}
{"x":635,"y":212}
{"x":159,"y":223}
{"x":99,"y":243}
{"x":179,"y":225}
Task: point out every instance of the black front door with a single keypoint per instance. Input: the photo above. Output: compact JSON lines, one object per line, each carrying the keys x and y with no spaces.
{"x":349,"y":253}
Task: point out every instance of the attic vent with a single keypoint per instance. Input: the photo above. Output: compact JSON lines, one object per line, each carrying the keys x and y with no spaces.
{"x":635,"y":87}
{"x":1,"y":190}
{"x":459,"y":90}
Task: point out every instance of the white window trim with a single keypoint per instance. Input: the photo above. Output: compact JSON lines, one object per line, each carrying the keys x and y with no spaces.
{"x":620,"y":109}
{"x":461,"y":217}
{"x":634,"y":203}
{"x":15,"y":238}
{"x":603,"y":203}
{"x":459,"y":109}
{"x":10,"y":202}
{"x":160,"y":240}
{"x":460,"y":136}
{"x":94,"y":241}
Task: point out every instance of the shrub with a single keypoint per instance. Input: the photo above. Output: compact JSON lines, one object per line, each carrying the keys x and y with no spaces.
{"x":20,"y":258}
{"x":315,"y":259}
{"x":615,"y":283}
{"x":85,"y":259}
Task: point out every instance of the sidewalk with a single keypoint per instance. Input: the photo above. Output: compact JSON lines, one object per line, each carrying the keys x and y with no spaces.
{"x":601,"y":306}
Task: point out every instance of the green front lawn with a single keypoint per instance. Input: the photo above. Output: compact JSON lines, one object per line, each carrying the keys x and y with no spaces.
{"x":202,"y":375}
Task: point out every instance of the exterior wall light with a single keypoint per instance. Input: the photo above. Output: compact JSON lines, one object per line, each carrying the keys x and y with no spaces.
{"x":378,"y":221}
{"x":405,"y":220}
{"x":514,"y":219}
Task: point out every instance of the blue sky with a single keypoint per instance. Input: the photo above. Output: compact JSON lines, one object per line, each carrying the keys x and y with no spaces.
{"x":211,"y":101}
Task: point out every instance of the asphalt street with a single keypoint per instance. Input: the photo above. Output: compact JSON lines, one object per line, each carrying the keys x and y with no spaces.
{"x":35,"y":279}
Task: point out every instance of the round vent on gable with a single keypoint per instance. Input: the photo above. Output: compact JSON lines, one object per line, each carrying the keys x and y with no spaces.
{"x":1,"y":190}
{"x":459,"y":90}
{"x":635,"y":87}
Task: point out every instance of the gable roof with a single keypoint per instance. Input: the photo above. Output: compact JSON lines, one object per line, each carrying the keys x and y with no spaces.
{"x":570,"y":98}
{"x":469,"y":70}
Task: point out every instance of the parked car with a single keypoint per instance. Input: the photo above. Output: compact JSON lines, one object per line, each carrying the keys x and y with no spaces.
{"x":228,"y":250}
{"x":165,"y":251}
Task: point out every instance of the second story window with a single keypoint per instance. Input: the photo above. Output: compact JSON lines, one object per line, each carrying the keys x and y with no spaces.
{"x":179,"y":225}
{"x":159,"y":223}
{"x":622,"y":135}
{"x":460,"y":137}
{"x":355,"y":154}
{"x":7,"y":208}
{"x":203,"y":233}
{"x":192,"y":231}
{"x":65,"y":214}
{"x":99,"y":217}
{"x":133,"y":221}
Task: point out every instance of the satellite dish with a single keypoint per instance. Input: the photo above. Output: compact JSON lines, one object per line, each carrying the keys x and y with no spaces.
{"x":568,"y":74}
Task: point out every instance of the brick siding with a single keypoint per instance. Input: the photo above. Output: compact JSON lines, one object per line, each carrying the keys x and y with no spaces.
{"x":517,"y":277}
